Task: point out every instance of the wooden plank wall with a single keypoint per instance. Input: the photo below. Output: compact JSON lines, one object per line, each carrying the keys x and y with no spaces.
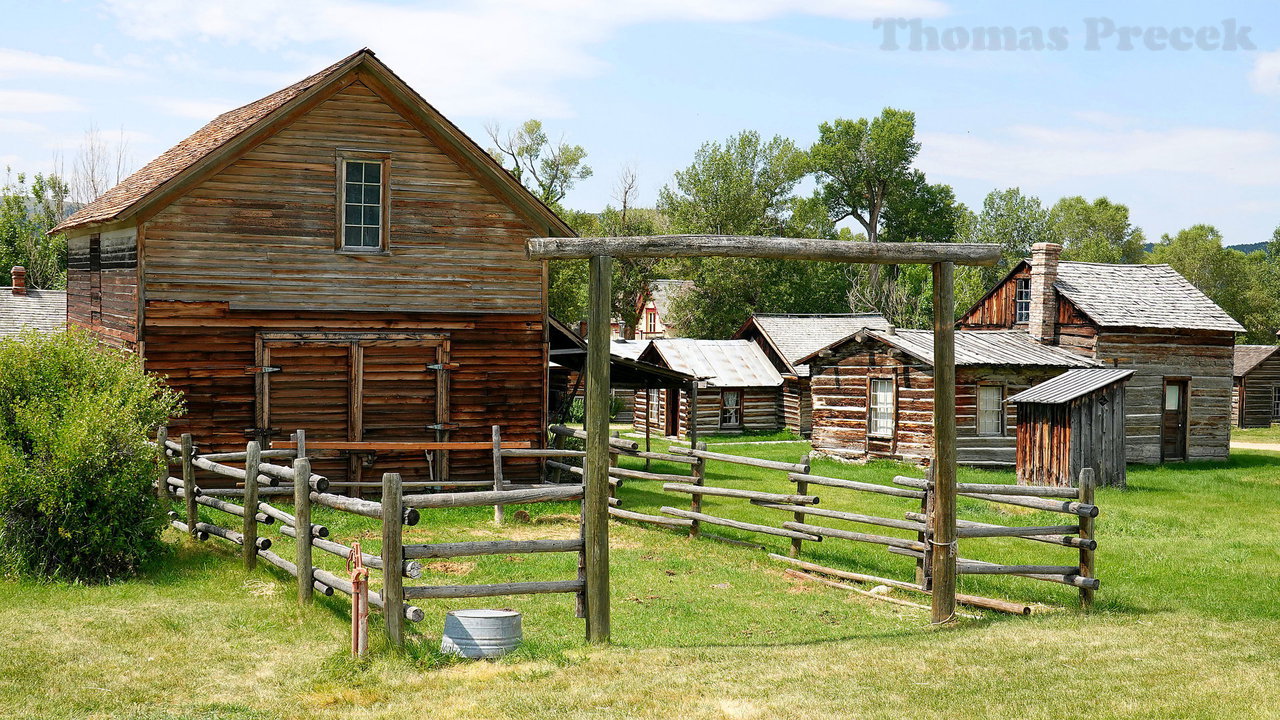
{"x":1259,"y":385}
{"x":104,"y":299}
{"x":797,"y":406}
{"x":1204,"y":357}
{"x":1097,"y":437}
{"x":760,"y":411}
{"x":996,"y":310}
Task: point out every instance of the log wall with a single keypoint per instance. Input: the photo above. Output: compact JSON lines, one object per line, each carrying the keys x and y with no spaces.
{"x":760,"y":411}
{"x":1257,"y":389}
{"x":797,"y":406}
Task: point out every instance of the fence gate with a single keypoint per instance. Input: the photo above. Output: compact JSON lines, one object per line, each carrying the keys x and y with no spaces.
{"x":358,"y":387}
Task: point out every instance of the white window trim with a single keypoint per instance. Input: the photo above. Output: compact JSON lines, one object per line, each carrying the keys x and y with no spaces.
{"x":979,"y":411}
{"x":874,"y":410}
{"x":1017,"y":300}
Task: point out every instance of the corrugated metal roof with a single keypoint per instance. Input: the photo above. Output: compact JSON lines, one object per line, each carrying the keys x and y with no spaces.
{"x":629,"y":349}
{"x":1070,"y":385}
{"x":1248,"y":357}
{"x":798,"y":336}
{"x":1152,"y":296}
{"x":44,"y":310}
{"x":722,"y":363}
{"x":985,"y":347}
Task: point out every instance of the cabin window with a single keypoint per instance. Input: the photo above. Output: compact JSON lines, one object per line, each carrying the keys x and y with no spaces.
{"x":731,"y":408}
{"x":362,"y":201}
{"x":651,"y":321}
{"x":1275,"y":402}
{"x":1022,"y":301}
{"x":990,"y":410}
{"x":880,"y":417}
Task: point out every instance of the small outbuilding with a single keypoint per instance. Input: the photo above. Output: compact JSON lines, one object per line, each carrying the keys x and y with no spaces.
{"x":1255,"y":392}
{"x":738,"y":388}
{"x":1072,"y":422}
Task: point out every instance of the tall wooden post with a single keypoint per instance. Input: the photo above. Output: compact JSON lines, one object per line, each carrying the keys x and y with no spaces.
{"x":252,"y":459}
{"x":189,"y":484}
{"x":693,"y":413}
{"x":1088,"y":483}
{"x":596,"y":468}
{"x":302,"y":518}
{"x":943,"y":542}
{"x":802,"y":488}
{"x":499,"y":513}
{"x":162,"y":475}
{"x":695,"y":500}
{"x":393,"y":558}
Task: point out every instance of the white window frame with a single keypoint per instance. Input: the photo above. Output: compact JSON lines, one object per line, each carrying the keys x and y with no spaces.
{"x":1275,"y":402}
{"x":1021,"y":300}
{"x":651,"y":321}
{"x":990,"y":421}
{"x":728,"y":420}
{"x":881,"y":406}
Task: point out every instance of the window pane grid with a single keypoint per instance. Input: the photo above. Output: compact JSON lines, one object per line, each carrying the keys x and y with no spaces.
{"x":1022,"y":300}
{"x":730,"y":408}
{"x":362,"y":204}
{"x":881,"y":415}
{"x":990,"y":410}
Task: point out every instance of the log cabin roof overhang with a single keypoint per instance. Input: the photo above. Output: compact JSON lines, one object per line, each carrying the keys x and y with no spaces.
{"x":1248,"y":357}
{"x":794,"y":336}
{"x":235,"y":132}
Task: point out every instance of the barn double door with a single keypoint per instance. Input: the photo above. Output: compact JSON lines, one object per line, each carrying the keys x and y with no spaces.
{"x":357,"y":387}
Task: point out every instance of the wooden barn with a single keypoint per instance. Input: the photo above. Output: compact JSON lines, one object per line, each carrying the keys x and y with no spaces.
{"x":1255,"y":392}
{"x":1146,"y":318}
{"x":338,"y":257}
{"x":738,"y":389}
{"x":873,"y":393}
{"x":1072,"y":422}
{"x":787,"y":338}
{"x":28,"y":308}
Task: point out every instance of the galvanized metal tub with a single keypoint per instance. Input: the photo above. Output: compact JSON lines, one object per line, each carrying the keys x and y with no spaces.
{"x":481,"y":633}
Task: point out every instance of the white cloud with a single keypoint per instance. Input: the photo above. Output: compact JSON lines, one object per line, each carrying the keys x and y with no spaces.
{"x":13,"y":126}
{"x":25,"y":102}
{"x":1265,"y":77}
{"x":20,"y":63}
{"x":485,"y":57}
{"x":1036,"y":154}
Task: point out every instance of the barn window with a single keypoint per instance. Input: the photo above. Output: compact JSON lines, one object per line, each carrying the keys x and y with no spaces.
{"x":362,"y":192}
{"x":730,"y":408}
{"x":1275,"y":402}
{"x":1022,"y":301}
{"x":880,"y":417}
{"x":990,"y":410}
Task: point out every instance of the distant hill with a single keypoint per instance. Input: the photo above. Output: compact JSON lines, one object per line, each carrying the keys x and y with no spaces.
{"x":1245,"y":248}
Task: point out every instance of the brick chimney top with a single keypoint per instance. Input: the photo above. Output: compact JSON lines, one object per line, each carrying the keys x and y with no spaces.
{"x":19,"y":275}
{"x":1044,"y":300}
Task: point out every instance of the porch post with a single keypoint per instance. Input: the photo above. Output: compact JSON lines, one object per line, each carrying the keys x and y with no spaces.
{"x":943,"y":562}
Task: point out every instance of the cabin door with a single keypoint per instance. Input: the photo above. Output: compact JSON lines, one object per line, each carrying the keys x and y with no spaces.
{"x":1173,"y":424}
{"x":353,"y":388}
{"x":671,"y":412}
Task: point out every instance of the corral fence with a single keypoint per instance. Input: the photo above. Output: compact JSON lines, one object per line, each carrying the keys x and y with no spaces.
{"x":395,"y":511}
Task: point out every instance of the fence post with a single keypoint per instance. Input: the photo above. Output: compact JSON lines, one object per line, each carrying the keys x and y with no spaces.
{"x":252,"y":459}
{"x":498,"y":512}
{"x":1088,"y":484}
{"x":162,"y":481}
{"x":695,"y":500}
{"x":393,"y":558}
{"x":924,"y":565}
{"x":943,"y":518}
{"x":189,"y":485}
{"x":802,"y":488}
{"x":302,"y":518}
{"x":615,"y":483}
{"x":595,"y":475}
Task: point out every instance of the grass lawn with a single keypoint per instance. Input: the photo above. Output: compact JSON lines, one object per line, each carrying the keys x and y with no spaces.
{"x":1185,"y":625}
{"x":1260,"y":435}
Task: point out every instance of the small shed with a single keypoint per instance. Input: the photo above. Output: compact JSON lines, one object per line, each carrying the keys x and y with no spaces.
{"x":1072,"y":422}
{"x":738,"y":389}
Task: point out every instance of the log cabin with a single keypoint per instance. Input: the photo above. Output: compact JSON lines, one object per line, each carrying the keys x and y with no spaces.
{"x":1147,"y":318}
{"x":338,"y":257}
{"x":738,"y":390}
{"x":873,"y":393}
{"x":27,"y":308}
{"x":1255,"y":392}
{"x":787,"y":338}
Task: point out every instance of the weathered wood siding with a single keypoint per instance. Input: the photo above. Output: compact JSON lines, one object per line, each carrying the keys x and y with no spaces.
{"x":1204,"y":358}
{"x":1257,"y":389}
{"x":1057,"y":441}
{"x":797,"y":406}
{"x":996,"y":310}
{"x":102,"y":286}
{"x":760,"y":411}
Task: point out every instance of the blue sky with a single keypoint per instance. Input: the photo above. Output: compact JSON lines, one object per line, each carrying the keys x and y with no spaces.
{"x":1181,"y":136}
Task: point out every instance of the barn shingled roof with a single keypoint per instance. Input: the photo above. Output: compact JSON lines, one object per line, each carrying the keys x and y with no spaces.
{"x":1247,"y":357}
{"x":796,"y":336}
{"x":722,"y":363}
{"x":1148,"y":296}
{"x":974,"y":347}
{"x":1070,"y":385}
{"x":44,"y":310}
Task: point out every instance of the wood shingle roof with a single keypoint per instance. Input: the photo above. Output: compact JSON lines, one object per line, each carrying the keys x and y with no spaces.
{"x":44,"y":310}
{"x":1148,"y":296}
{"x":797,"y":336}
{"x":1247,"y":357}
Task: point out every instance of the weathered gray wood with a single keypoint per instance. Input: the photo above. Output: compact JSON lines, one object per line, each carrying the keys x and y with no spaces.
{"x":1015,"y":531}
{"x":738,"y":524}
{"x":302,"y":515}
{"x":407,"y":612}
{"x":162,"y":467}
{"x":189,"y":482}
{"x":233,"y":509}
{"x":595,"y":503}
{"x":1064,"y":507}
{"x":292,"y":569}
{"x":355,"y":506}
{"x":855,"y":536}
{"x":288,"y":519}
{"x":672,"y":246}
{"x":426,"y":592}
{"x":855,"y":485}
{"x":735,"y":541}
{"x":392,"y":555}
{"x":699,"y":478}
{"x":550,"y":493}
{"x":744,"y":494}
{"x":491,"y":547}
{"x":665,"y":457}
{"x":993,"y":489}
{"x":498,"y":513}
{"x":1088,"y":483}
{"x":177,"y":487}
{"x":642,"y":475}
{"x":1073,"y":579}
{"x":798,"y":514}
{"x":253,"y":458}
{"x":234,"y":473}
{"x":231,"y":535}
{"x":1065,"y":540}
{"x":543,"y":452}
{"x":970,"y":568}
{"x":943,"y":557}
{"x":409,"y":569}
{"x":317,"y":482}
{"x":800,"y":468}
{"x":243,"y":456}
{"x":183,"y":528}
{"x":656,"y":519}
{"x":582,"y":435}
{"x":841,"y":515}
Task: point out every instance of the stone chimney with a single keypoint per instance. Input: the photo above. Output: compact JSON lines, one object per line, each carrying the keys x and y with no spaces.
{"x":1044,"y":301}
{"x":19,"y":275}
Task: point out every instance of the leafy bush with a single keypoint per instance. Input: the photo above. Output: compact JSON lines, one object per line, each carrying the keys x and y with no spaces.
{"x":76,"y":501}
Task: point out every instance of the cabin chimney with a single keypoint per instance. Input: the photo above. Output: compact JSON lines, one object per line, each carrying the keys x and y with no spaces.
{"x":1044,"y":300}
{"x":19,"y":275}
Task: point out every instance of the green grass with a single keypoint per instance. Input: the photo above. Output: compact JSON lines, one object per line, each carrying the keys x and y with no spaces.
{"x":1185,"y":626}
{"x":1261,"y":435}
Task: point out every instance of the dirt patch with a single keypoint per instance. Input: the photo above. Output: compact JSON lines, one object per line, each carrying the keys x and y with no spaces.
{"x":450,"y":567}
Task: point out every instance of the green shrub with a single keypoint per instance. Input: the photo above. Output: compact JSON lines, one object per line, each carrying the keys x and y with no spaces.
{"x":76,"y":501}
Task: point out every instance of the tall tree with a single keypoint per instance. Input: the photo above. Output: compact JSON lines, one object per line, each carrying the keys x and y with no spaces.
{"x":549,"y":170}
{"x":1097,"y":231}
{"x":27,"y":213}
{"x":1014,"y":222}
{"x":860,"y":164}
{"x":631,"y":275}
